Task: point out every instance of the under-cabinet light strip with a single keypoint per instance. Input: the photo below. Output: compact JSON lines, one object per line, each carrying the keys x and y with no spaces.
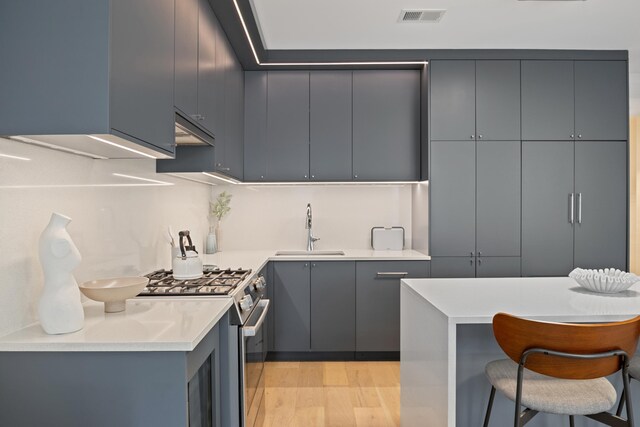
{"x":154,"y":181}
{"x":121,"y":146}
{"x":229,"y":180}
{"x":306,"y":64}
{"x":9,"y":156}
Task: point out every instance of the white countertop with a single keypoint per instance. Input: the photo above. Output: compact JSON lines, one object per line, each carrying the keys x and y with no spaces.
{"x":256,"y":260}
{"x":147,"y":324}
{"x":549,"y":298}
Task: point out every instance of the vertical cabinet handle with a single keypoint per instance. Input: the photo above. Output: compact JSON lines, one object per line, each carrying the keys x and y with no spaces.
{"x":479,"y":262}
{"x":571,"y":208}
{"x":579,"y":208}
{"x":471,"y":261}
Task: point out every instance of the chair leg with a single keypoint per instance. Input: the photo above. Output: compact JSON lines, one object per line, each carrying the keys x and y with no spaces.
{"x":571,"y":421}
{"x":489,"y":407}
{"x":621,"y":404}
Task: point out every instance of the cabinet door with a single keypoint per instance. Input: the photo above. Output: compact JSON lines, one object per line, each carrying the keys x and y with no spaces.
{"x":547,"y":100}
{"x":142,"y":102}
{"x":255,"y":125}
{"x":292,"y":306}
{"x":186,"y":56}
{"x":235,"y":121}
{"x":386,"y":125}
{"x":453,"y":100}
{"x":601,"y":100}
{"x":333,"y":302}
{"x":222,"y":98}
{"x":547,"y":230}
{"x":498,"y":198}
{"x":330,"y":125}
{"x":498,"y":100}
{"x":378,"y":302}
{"x":288,"y":126}
{"x":601,"y":204}
{"x":498,"y":267}
{"x":452,"y":199}
{"x":455,"y":267}
{"x":208,"y":73}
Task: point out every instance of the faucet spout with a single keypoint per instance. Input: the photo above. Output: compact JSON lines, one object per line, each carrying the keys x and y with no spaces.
{"x":308,"y":225}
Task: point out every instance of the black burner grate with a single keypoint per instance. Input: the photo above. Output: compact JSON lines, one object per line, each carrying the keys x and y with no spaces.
{"x":214,"y":282}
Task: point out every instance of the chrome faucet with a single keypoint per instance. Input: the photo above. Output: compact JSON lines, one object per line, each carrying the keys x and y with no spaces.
{"x":310,"y":239}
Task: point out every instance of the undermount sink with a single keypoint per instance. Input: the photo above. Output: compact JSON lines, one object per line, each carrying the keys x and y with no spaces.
{"x":309,"y":253}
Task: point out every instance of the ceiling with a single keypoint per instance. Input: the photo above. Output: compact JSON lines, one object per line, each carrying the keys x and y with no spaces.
{"x":467,"y":24}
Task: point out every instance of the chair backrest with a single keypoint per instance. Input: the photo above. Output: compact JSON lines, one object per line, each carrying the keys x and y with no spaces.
{"x":516,"y":335}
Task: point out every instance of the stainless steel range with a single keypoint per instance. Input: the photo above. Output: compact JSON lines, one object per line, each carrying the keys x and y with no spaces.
{"x":246,"y":333}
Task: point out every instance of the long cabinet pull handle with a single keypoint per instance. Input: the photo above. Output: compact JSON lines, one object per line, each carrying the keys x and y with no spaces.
{"x":571,"y":208}
{"x":579,"y":208}
{"x":392,"y":273}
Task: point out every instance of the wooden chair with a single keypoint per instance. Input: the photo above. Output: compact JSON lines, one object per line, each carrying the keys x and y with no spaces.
{"x":559,"y":368}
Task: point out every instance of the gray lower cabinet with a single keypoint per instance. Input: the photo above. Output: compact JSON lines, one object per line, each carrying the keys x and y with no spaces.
{"x":498,"y":267}
{"x":600,"y":239}
{"x":497,"y":198}
{"x":330,"y":125}
{"x":292,"y":306}
{"x":386,"y":125}
{"x":547,"y":195}
{"x":547,"y":100}
{"x":164,"y":389}
{"x":333,"y":299}
{"x":378,"y":302}
{"x":455,"y":267}
{"x":453,"y":198}
{"x":601,"y":100}
{"x":255,"y":125}
{"x":287,"y":154}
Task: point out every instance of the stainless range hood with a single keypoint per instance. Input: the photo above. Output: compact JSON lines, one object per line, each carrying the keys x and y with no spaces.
{"x":195,"y":155}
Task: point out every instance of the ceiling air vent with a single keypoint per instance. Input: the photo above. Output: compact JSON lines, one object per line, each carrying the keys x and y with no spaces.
{"x":421,"y":15}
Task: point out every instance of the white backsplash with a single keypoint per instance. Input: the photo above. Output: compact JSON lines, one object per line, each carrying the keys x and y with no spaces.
{"x":273,"y":216}
{"x":117,"y":222}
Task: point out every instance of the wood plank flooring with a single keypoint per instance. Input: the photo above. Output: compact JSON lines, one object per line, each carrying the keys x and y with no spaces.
{"x":340,"y":394}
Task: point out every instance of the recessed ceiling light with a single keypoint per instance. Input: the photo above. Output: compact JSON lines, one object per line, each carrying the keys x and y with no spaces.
{"x":424,"y":16}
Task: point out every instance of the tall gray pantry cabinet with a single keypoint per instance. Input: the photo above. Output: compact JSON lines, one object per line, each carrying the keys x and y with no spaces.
{"x":528,"y":166}
{"x":475,"y":168}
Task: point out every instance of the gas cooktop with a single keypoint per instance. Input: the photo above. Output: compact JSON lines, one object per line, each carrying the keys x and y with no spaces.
{"x":212,"y":282}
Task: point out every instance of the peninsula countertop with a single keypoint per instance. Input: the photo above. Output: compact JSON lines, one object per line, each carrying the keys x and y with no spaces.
{"x":543,"y":298}
{"x":147,"y":324}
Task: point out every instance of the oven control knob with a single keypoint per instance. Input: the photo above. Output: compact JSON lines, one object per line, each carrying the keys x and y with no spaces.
{"x":259,"y":283}
{"x":246,"y":303}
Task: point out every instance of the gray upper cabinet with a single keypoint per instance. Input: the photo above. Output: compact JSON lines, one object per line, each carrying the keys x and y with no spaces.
{"x":292,"y":307}
{"x":601,"y":204}
{"x":90,"y":75}
{"x":255,"y":125}
{"x":453,"y":100}
{"x":453,"y":198}
{"x":378,"y":302}
{"x":287,"y":151}
{"x":333,"y":299}
{"x":233,"y":162}
{"x":209,"y":78}
{"x":186,"y":57}
{"x":547,"y":100}
{"x":601,"y":100}
{"x":330,"y":125}
{"x":547,"y":220}
{"x":386,"y":125}
{"x":497,"y":100}
{"x":497,"y":198}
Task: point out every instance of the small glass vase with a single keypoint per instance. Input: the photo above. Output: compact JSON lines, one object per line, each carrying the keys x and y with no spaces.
{"x":211,"y":243}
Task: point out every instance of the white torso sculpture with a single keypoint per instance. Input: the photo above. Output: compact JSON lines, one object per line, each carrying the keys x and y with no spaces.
{"x":60,"y":307}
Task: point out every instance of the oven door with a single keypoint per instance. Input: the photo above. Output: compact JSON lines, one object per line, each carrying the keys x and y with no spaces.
{"x":254,"y":352}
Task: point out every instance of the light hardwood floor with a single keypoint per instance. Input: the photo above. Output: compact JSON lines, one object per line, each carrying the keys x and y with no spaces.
{"x":340,"y":394}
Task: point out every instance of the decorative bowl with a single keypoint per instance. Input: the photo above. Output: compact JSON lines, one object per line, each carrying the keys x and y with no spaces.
{"x":607,"y":281}
{"x":114,"y":292}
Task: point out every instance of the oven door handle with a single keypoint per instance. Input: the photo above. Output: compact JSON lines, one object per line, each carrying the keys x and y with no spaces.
{"x":250,"y":331}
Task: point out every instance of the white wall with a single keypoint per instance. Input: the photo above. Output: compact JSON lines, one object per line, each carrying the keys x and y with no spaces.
{"x":117,"y":222}
{"x":273,"y":217}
